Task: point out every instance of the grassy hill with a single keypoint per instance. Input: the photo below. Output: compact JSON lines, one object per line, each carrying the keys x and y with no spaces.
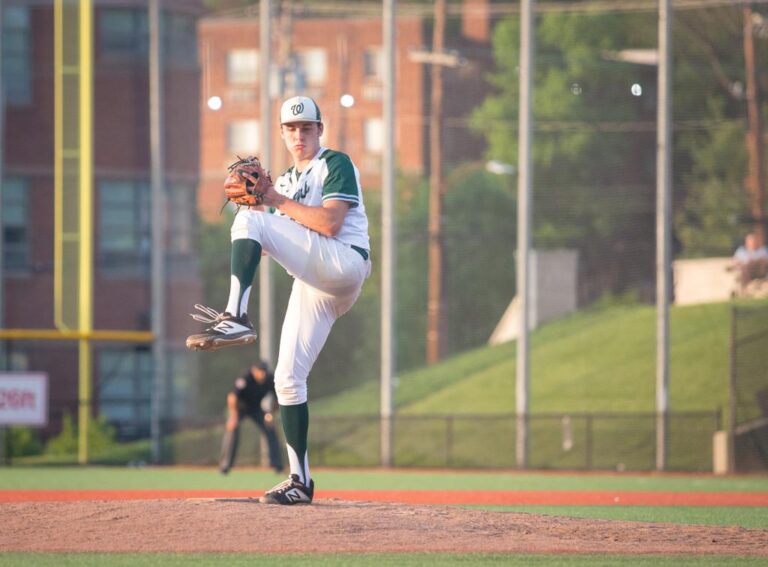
{"x":602,"y":359}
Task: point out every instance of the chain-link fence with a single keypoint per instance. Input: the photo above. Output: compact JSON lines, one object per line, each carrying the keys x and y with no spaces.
{"x":749,"y":387}
{"x":599,"y":441}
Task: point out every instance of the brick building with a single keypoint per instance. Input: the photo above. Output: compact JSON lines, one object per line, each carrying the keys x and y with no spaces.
{"x":330,"y":58}
{"x":121,"y":165}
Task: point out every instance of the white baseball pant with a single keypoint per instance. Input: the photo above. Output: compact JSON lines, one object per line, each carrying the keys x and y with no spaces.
{"x":328,"y":278}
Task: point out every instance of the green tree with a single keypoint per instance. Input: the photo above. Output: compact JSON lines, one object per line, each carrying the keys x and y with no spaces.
{"x":712,"y":205}
{"x":714,"y":208}
{"x":22,"y":441}
{"x":594,"y":143}
{"x":479,"y":237}
{"x":593,"y":159}
{"x":101,"y":437}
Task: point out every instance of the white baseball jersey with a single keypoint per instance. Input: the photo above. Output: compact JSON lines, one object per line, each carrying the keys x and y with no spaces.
{"x":330,"y":175}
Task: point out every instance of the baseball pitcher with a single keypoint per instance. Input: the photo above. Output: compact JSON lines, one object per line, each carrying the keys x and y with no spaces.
{"x":317,"y":229}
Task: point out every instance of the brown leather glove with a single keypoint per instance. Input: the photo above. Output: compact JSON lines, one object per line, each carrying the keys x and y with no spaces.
{"x":247,"y":182}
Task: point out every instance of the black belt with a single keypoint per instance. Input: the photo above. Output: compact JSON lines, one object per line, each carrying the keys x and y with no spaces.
{"x":362,"y":251}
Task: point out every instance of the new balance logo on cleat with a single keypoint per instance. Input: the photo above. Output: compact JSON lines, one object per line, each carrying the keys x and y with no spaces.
{"x":295,"y":495}
{"x":289,"y":492}
{"x":229,"y":327}
{"x":225,"y":330}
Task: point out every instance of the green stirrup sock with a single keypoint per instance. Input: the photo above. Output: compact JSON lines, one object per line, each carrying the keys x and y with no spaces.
{"x":246,"y":255}
{"x":296,"y":429}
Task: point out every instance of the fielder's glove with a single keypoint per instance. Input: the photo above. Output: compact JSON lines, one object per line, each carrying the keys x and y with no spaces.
{"x":247,"y":182}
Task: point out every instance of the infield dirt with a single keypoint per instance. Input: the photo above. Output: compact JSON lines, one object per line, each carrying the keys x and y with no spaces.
{"x":330,"y":525}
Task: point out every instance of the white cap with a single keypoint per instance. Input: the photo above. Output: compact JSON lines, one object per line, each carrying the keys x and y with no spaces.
{"x":300,"y":109}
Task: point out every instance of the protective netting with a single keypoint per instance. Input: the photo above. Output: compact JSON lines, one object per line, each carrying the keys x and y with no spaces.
{"x":749,"y":387}
{"x":593,"y":271}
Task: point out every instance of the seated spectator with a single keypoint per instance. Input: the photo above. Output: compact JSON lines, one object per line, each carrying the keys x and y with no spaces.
{"x":751,"y":261}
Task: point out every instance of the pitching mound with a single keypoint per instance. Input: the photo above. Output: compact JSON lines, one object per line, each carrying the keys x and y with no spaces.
{"x":237,"y":525}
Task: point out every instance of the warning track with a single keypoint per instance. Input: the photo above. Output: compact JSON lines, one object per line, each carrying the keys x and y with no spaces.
{"x":454,"y":497}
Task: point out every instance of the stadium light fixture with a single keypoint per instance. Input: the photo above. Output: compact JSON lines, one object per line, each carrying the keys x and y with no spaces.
{"x":499,"y":167}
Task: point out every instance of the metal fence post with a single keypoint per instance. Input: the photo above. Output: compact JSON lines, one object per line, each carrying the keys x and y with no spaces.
{"x":588,"y":442}
{"x":732,"y":392}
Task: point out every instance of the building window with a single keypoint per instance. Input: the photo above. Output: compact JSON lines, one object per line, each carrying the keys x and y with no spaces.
{"x":373,"y":63}
{"x":183,"y":373}
{"x":125,"y":390}
{"x":373,"y":135}
{"x":124,"y":227}
{"x":180,"y":39}
{"x":314,"y":65}
{"x":17,"y":59}
{"x":15,"y":218}
{"x":124,"y":32}
{"x":181,"y":223}
{"x":242,"y":66}
{"x":243,"y":137}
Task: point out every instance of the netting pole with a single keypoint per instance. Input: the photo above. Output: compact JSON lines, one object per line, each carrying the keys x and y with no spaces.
{"x":157,"y":262}
{"x":663,"y":229}
{"x":524,"y":185}
{"x":266,"y":286}
{"x":388,"y":237}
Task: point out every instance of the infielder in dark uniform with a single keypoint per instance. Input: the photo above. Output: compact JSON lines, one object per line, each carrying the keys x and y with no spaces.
{"x":253,"y":395}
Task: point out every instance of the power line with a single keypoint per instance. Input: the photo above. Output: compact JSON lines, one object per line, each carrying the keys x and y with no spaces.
{"x":455,"y":9}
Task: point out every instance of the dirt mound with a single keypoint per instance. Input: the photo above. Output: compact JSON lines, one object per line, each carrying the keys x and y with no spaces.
{"x":236,"y":525}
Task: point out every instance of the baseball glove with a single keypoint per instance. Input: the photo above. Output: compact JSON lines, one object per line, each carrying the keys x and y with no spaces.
{"x":246,"y":182}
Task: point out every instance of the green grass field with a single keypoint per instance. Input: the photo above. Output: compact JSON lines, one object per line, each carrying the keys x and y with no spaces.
{"x":182,"y":478}
{"x":364,"y":560}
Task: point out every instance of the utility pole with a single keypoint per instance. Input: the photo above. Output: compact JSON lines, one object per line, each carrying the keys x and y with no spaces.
{"x":756,"y":170}
{"x":435,"y":304}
